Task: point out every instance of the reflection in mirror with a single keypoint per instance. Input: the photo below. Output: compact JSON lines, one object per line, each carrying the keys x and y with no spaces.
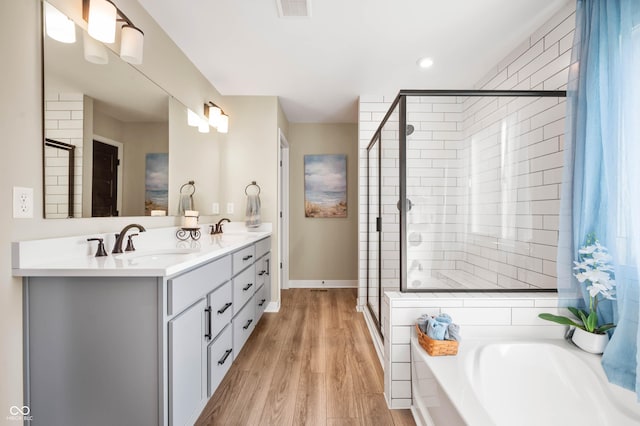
{"x":118,"y":122}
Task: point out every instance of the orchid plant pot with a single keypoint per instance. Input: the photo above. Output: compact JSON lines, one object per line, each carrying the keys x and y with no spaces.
{"x":590,"y":342}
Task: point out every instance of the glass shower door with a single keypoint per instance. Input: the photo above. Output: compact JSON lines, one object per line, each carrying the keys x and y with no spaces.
{"x":373,"y":241}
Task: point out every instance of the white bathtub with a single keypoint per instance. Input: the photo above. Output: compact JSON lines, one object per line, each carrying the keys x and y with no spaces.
{"x":508,"y":383}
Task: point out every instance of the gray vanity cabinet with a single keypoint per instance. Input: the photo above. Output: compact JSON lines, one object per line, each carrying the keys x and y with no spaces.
{"x":187,"y":364}
{"x":141,"y":350}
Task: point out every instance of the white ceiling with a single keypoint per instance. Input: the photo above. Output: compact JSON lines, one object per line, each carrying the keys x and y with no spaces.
{"x":319,"y":66}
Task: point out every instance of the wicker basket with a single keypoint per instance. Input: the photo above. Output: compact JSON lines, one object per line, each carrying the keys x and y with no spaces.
{"x":436,"y":347}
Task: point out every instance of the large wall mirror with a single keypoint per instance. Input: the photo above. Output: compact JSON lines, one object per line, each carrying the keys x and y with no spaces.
{"x":107,"y":134}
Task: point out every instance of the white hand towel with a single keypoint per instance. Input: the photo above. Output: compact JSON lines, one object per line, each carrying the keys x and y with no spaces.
{"x":252,"y":213}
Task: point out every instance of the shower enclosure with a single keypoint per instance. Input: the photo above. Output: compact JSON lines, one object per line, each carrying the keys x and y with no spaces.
{"x":463,"y":192}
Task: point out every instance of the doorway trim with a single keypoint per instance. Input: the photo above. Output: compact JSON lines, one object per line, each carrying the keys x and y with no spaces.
{"x":283,"y":223}
{"x":120,"y":147}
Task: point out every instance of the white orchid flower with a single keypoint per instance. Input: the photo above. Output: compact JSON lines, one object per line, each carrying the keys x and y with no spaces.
{"x":594,"y":268}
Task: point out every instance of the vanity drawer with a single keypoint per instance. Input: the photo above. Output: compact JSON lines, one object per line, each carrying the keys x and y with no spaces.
{"x":220,"y":354}
{"x":185,"y":289}
{"x":263,"y":247}
{"x":221,"y":303}
{"x":243,"y":325}
{"x":243,"y":258}
{"x":244,"y":285}
{"x":261,"y":299}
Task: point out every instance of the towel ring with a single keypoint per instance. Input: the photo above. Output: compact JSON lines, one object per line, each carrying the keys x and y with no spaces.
{"x":191,"y":184}
{"x":253,"y":183}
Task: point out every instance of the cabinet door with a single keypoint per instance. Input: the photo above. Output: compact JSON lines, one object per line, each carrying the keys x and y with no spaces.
{"x":187,"y":364}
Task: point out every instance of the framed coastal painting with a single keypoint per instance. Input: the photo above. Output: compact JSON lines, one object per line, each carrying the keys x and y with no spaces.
{"x":156,"y":194}
{"x":325,"y":186}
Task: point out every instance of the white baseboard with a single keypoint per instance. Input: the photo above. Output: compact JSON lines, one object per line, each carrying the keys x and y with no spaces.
{"x":272,"y":307}
{"x":323,"y":283}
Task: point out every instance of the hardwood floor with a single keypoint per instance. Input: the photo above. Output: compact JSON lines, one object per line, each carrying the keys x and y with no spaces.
{"x":313,"y":363}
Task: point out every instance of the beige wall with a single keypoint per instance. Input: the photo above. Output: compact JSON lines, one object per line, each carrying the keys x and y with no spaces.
{"x":21,"y":162}
{"x":194,"y":156}
{"x":140,"y":139}
{"x":322,"y":249}
{"x":251,"y":154}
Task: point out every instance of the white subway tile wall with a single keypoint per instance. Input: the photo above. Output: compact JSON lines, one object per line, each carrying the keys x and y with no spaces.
{"x":457,"y":153}
{"x":63,"y":122}
{"x":483,"y":175}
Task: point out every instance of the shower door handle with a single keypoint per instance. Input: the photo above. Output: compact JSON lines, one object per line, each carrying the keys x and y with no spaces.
{"x":409,"y":205}
{"x":378,"y":224}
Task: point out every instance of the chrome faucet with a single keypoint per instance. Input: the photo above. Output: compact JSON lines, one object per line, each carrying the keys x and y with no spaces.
{"x":217,"y":228}
{"x":117,"y":247}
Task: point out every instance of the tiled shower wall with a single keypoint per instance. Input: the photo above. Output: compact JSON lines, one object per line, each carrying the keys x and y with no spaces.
{"x":524,"y":255}
{"x":63,"y":118}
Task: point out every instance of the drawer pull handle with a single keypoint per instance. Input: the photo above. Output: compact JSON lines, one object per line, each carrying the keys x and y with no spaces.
{"x":247,"y":257}
{"x":262,"y":302}
{"x":248,"y":324}
{"x":225,"y":356}
{"x":224,"y":308}
{"x":261,"y":273}
{"x":247,"y":287}
{"x":207,"y":322}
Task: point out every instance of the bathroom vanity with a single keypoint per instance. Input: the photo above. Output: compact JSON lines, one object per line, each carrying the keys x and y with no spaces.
{"x":142,"y":338}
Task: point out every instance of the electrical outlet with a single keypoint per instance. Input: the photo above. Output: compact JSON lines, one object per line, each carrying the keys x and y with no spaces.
{"x":22,"y":202}
{"x":229,"y":208}
{"x":215,"y":208}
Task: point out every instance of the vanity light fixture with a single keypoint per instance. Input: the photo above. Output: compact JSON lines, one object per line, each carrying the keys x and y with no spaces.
{"x":102,"y":17}
{"x":203,"y":127}
{"x":216,"y":116}
{"x":213,"y":113}
{"x":223,"y":124}
{"x":94,"y":51}
{"x":193,"y":119}
{"x":131,"y":44}
{"x":58,"y":26}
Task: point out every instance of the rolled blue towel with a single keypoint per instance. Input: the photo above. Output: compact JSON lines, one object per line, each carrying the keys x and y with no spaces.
{"x":422,"y":322}
{"x":444,"y":318}
{"x":436,"y":329}
{"x":453,"y":332}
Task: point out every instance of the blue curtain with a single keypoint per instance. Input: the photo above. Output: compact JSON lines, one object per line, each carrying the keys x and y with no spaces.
{"x":601,"y":183}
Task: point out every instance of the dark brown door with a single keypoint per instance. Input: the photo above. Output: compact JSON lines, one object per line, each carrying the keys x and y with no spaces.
{"x":104,"y":193}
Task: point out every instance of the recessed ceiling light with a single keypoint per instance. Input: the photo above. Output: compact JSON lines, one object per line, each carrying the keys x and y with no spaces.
{"x":425,"y":63}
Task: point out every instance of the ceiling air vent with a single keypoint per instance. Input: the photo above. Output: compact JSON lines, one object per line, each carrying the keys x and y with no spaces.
{"x":294,"y":8}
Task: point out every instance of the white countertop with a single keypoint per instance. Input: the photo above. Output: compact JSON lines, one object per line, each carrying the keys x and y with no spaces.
{"x":158,"y":253}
